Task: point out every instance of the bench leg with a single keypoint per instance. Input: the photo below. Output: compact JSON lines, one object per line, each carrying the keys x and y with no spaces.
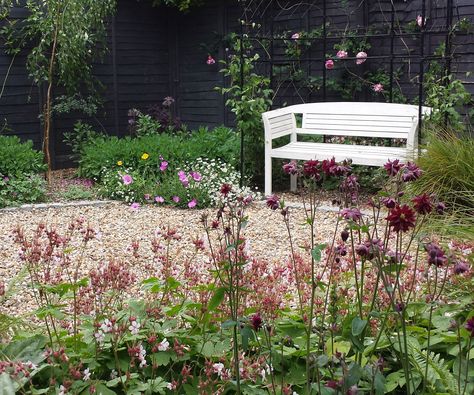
{"x":268,"y":175}
{"x":293,"y":183}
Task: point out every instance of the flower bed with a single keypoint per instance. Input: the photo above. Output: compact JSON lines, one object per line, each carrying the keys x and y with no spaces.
{"x":379,"y":307}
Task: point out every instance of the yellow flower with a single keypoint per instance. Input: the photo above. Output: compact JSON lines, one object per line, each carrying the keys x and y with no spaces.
{"x":120,"y":163}
{"x":145,"y":156}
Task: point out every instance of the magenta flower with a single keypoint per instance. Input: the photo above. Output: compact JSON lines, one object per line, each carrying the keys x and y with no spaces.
{"x":311,"y":168}
{"x":256,"y":321}
{"x":183,"y":178}
{"x":352,"y":214}
{"x":341,"y":54}
{"x":295,"y":36}
{"x":329,"y":64}
{"x":436,"y":255}
{"x":146,"y":196}
{"x":273,"y":202}
{"x":127,"y":179}
{"x":135,"y":206}
{"x":176,"y":199}
{"x":225,"y":189}
{"x":470,"y":326}
{"x":401,"y":218}
{"x":412,"y":172}
{"x":361,"y":57}
{"x":159,"y":199}
{"x":393,"y":167}
{"x":163,"y":165}
{"x":192,"y":203}
{"x":291,"y":167}
{"x":377,"y":87}
{"x":422,"y":204}
{"x":210,"y":60}
{"x":196,"y":176}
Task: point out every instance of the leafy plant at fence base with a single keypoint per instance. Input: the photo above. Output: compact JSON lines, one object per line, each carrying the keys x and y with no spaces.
{"x":248,"y":96}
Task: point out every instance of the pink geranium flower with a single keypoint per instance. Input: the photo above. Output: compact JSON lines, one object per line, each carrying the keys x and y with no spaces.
{"x":196,"y":176}
{"x":135,"y":206}
{"x":329,"y":64}
{"x":163,"y":165}
{"x":361,"y":57}
{"x":210,"y":60}
{"x":341,"y":54}
{"x":192,"y":203}
{"x":176,"y":199}
{"x":127,"y":179}
{"x":159,"y":199}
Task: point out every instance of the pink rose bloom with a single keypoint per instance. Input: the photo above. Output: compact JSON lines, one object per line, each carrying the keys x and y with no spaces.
{"x":295,"y":36}
{"x":196,"y":176}
{"x":135,"y":206}
{"x":210,"y":60}
{"x":341,"y":54}
{"x":163,"y":165}
{"x":127,"y":179}
{"x":377,"y":87}
{"x":419,"y":21}
{"x":159,"y":199}
{"x":192,"y":203}
{"x":176,"y":199}
{"x":361,"y":57}
{"x":329,"y":64}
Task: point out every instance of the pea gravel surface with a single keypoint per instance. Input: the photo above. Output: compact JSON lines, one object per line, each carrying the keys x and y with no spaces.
{"x":118,"y":226}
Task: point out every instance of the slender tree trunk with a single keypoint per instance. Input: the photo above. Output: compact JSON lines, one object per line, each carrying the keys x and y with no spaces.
{"x":48,"y":105}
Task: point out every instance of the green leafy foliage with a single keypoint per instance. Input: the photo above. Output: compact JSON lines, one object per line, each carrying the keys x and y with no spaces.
{"x":248,"y":96}
{"x":19,"y":158}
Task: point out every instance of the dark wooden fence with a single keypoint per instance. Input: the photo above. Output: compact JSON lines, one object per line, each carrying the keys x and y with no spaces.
{"x":158,"y":52}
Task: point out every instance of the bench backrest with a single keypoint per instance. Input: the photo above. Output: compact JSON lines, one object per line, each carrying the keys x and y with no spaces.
{"x":358,"y":119}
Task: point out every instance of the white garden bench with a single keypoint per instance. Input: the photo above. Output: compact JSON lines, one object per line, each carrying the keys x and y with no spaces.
{"x":383,"y":120}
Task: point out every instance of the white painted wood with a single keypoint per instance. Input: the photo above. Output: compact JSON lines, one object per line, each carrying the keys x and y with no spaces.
{"x":371,"y":120}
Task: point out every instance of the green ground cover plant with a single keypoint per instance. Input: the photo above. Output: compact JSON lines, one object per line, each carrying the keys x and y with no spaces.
{"x":20,"y":169}
{"x":380,"y":308}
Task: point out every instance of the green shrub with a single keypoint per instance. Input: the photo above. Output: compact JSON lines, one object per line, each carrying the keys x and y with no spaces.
{"x":82,"y":135}
{"x":176,"y":149}
{"x":18,"y":159}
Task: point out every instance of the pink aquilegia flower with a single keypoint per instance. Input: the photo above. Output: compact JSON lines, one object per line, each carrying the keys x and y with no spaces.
{"x":134,"y":206}
{"x":469,"y":325}
{"x":196,"y":176}
{"x":159,"y":199}
{"x":295,"y":36}
{"x":192,"y":203}
{"x":127,"y":179}
{"x":291,"y":167}
{"x":329,"y":64}
{"x":361,"y":57}
{"x":273,"y":202}
{"x":210,"y":60}
{"x":163,"y":165}
{"x":134,"y":327}
{"x":393,"y":167}
{"x":176,"y":199}
{"x":377,"y":87}
{"x":341,"y":54}
{"x":401,"y":218}
{"x":225,"y":189}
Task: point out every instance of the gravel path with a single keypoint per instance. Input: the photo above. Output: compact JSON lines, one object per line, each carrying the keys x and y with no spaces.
{"x":119,"y":226}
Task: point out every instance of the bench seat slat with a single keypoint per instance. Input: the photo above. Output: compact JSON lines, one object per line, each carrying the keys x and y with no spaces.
{"x":358,"y":117}
{"x":361,"y":155}
{"x":357,"y":122}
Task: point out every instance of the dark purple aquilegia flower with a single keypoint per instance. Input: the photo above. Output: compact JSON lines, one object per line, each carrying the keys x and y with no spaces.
{"x":401,"y":218}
